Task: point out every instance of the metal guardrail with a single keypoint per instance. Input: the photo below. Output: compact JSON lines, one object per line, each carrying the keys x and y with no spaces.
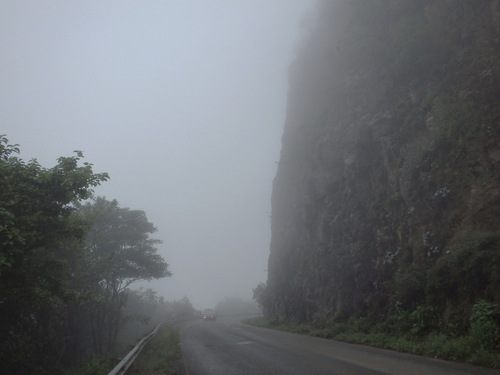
{"x":125,"y":363}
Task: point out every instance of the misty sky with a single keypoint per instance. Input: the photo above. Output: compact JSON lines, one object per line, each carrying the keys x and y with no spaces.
{"x":181,"y":102}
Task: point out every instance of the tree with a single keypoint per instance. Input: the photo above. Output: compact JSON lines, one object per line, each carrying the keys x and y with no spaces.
{"x":260,"y":295}
{"x":64,"y":265}
{"x":183,"y":308}
{"x":36,"y":206}
{"x":118,"y":251}
{"x":35,"y":203}
{"x":142,"y":312}
{"x":236,"y":306}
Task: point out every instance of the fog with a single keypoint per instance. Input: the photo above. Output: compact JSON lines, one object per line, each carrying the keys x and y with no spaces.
{"x":181,"y":102}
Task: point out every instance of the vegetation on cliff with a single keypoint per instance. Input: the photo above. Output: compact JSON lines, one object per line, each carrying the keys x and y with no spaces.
{"x":386,"y":200}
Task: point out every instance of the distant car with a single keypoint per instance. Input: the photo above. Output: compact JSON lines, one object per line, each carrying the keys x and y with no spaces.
{"x":209,"y":314}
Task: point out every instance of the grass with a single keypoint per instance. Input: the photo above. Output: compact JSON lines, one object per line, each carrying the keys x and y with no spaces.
{"x":160,"y":356}
{"x":92,"y":366}
{"x":436,"y":345}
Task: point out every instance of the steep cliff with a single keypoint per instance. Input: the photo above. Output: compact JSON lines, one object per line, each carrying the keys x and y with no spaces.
{"x":387,"y":193}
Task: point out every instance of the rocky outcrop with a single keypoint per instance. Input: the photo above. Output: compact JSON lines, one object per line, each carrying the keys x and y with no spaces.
{"x":390,"y":161}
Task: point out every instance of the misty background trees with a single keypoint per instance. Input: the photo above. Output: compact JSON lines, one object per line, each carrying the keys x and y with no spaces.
{"x":145,"y":309}
{"x":65,"y":263}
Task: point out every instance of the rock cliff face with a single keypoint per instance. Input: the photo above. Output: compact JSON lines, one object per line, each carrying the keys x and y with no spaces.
{"x":387,"y":193}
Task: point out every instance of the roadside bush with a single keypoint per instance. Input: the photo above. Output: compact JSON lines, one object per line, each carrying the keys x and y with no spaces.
{"x":423,"y":319}
{"x":93,"y":366}
{"x":484,"y":327}
{"x":359,"y":324}
{"x":485,"y":358}
{"x":449,"y":348}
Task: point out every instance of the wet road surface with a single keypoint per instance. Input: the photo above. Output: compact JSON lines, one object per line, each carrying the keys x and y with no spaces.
{"x":228,"y":347}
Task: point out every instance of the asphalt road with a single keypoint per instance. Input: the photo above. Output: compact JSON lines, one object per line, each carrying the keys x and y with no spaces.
{"x":228,"y":347}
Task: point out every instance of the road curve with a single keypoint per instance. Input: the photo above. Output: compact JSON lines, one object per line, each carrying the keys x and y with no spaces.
{"x":228,"y":347}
